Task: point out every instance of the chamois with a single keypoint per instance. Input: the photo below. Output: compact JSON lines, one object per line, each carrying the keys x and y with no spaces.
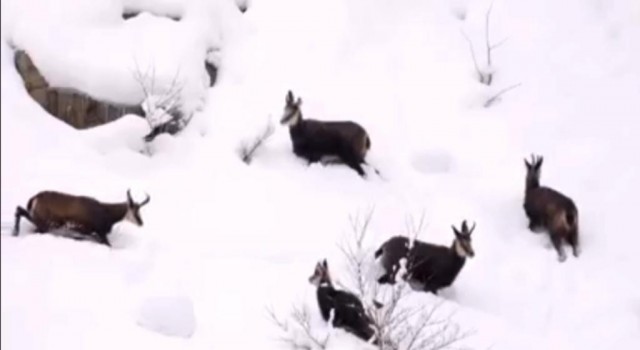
{"x":429,"y":267}
{"x":551,"y":210}
{"x":51,"y":210}
{"x":316,"y":140}
{"x":348,"y":311}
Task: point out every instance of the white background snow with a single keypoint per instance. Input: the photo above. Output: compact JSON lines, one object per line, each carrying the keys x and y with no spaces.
{"x":227,"y":239}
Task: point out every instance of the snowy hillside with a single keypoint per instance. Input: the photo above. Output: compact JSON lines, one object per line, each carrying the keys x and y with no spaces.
{"x":224,"y":241}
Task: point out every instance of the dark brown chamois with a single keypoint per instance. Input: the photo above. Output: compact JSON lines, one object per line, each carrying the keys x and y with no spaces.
{"x":348,"y":311}
{"x":432,"y":267}
{"x":50,"y":210}
{"x":550,"y":210}
{"x":316,"y":140}
{"x":390,"y":254}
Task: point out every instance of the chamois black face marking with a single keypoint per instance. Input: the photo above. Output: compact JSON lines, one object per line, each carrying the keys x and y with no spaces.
{"x":320,"y":274}
{"x":463,"y":240}
{"x":292,"y":112}
{"x":133,"y":209}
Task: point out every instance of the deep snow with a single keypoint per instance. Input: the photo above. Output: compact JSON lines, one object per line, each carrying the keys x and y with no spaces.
{"x":233,"y":239}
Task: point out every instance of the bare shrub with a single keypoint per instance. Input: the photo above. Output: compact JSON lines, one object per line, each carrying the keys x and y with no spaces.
{"x":162,"y":110}
{"x":297,"y":331}
{"x":247,"y":149}
{"x":485,"y":76}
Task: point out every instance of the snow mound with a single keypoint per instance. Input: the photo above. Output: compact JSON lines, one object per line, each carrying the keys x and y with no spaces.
{"x":169,"y":315}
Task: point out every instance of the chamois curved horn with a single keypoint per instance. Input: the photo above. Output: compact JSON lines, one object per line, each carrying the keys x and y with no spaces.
{"x":146,"y":200}
{"x":464,"y":227}
{"x":472,"y":228}
{"x":129,"y":199}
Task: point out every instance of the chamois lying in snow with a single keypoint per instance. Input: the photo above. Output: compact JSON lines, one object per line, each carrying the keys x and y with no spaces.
{"x":551,"y":210}
{"x":50,"y":210}
{"x":429,"y":267}
{"x":348,"y":311}
{"x":316,"y":140}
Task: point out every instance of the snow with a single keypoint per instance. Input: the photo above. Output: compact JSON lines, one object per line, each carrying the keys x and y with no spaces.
{"x":168,"y":315}
{"x":228,"y":240}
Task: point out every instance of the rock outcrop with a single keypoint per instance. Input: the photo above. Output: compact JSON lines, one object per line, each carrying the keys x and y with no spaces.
{"x":73,"y":107}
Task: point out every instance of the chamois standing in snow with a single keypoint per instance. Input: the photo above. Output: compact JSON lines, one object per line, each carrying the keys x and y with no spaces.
{"x":551,"y":210}
{"x":51,"y":210}
{"x":316,"y":140}
{"x":348,"y":311}
{"x":429,"y":267}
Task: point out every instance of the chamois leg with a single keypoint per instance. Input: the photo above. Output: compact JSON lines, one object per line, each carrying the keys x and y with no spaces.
{"x":354,"y":164}
{"x":573,"y":241}
{"x":102,"y":238}
{"x":557,"y":244}
{"x":385,"y":279}
{"x":20,"y":213}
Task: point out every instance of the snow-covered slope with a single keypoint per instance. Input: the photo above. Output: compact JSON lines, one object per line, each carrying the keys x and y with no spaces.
{"x":226,"y":240}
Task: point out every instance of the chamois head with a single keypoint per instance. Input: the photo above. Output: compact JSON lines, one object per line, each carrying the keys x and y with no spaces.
{"x":133,"y":209}
{"x":320,"y":274}
{"x":462,"y":241}
{"x":292,"y":113}
{"x":533,"y":171}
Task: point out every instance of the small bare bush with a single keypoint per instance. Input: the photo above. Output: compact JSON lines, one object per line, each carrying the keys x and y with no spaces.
{"x":162,"y":110}
{"x":485,"y":75}
{"x":297,"y":331}
{"x":248,"y":149}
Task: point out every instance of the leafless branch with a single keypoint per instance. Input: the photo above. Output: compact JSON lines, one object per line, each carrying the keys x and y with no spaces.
{"x":301,"y":318}
{"x":495,"y":46}
{"x":354,"y":251}
{"x":481,"y":74}
{"x":414,"y":230}
{"x":487,"y":41}
{"x":247,"y":150}
{"x":162,"y":110}
{"x":486,"y":75}
{"x":495,"y":97}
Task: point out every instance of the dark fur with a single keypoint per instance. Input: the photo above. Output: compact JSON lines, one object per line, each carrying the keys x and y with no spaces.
{"x":51,"y":210}
{"x":431,"y":266}
{"x":550,"y":210}
{"x":314,"y":139}
{"x":391,"y":251}
{"x":348,"y":311}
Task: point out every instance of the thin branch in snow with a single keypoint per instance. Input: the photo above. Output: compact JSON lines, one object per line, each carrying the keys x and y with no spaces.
{"x":481,"y":74}
{"x":486,"y":75}
{"x":247,"y":150}
{"x":495,"y":97}
{"x":162,"y":110}
{"x":301,"y":318}
{"x":486,"y":34}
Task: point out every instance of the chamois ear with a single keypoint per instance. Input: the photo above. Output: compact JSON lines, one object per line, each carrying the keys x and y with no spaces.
{"x":129,"y":199}
{"x":539,"y":162}
{"x":526,"y":163}
{"x":324,"y":264}
{"x":289,"y":98}
{"x":455,"y":230}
